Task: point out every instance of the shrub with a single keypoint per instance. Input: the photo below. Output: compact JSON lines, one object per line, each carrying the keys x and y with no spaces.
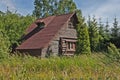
{"x":4,"y":43}
{"x":113,"y":52}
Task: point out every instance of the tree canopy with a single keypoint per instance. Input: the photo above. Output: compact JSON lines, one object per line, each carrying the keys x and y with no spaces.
{"x":44,"y":8}
{"x":12,"y":27}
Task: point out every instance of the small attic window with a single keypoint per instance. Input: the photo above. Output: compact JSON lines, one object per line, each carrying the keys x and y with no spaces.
{"x":40,"y":24}
{"x":70,"y":25}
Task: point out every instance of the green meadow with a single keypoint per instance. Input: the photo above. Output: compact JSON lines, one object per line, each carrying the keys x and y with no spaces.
{"x":96,"y":66}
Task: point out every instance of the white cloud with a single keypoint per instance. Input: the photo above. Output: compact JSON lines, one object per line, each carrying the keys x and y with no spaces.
{"x":9,"y":4}
{"x":106,"y":9}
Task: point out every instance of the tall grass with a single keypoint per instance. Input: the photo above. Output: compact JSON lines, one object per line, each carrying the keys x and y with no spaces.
{"x":83,"y":67}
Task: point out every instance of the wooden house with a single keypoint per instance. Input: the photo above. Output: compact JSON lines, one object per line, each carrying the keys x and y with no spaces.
{"x":53,"y":35}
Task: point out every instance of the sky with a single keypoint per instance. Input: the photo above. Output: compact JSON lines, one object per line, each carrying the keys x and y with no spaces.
{"x":99,"y":8}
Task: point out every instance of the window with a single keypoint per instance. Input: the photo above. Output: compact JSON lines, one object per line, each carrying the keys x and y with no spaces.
{"x":70,"y":25}
{"x":40,"y":24}
{"x":70,"y":45}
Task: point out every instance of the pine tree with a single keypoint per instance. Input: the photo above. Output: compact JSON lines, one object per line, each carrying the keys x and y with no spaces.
{"x":93,"y":34}
{"x":101,"y":30}
{"x":83,"y":43}
{"x":107,"y":32}
{"x":115,"y":29}
{"x":101,"y":36}
{"x":115,"y":33}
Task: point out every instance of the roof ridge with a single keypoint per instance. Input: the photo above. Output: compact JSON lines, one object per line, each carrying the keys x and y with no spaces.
{"x":56,"y":15}
{"x":65,"y":14}
{"x":45,"y":17}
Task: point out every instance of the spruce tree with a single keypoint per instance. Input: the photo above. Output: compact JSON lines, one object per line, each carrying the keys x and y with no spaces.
{"x":101,"y":30}
{"x":83,"y":43}
{"x":115,"y":33}
{"x":115,"y":29}
{"x":101,"y":36}
{"x":93,"y":34}
{"x":107,"y":32}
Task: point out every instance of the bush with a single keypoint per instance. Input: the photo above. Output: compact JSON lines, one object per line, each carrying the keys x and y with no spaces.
{"x":4,"y":43}
{"x":113,"y":52}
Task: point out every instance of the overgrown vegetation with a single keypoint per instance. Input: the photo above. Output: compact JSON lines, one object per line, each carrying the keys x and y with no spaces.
{"x":91,"y":38}
{"x":113,"y":53}
{"x":12,"y":28}
{"x":83,"y":43}
{"x":83,"y":67}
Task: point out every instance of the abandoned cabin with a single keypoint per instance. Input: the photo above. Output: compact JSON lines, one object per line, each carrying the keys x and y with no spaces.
{"x":53,"y":35}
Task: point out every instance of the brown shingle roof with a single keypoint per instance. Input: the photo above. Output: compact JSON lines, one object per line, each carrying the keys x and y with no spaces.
{"x":34,"y":25}
{"x":52,"y":25}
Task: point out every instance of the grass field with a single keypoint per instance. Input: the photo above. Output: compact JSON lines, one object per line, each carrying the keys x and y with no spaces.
{"x":83,"y":67}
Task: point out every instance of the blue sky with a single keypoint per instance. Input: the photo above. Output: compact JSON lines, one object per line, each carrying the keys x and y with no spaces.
{"x":100,"y":8}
